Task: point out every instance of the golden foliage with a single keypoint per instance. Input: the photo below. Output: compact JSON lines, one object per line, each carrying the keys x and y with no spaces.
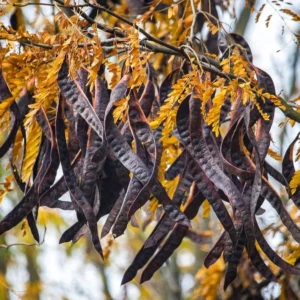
{"x":167,"y":116}
{"x":136,"y":61}
{"x":206,"y":209}
{"x":4,"y":123}
{"x":152,"y":208}
{"x":274,"y":99}
{"x":96,"y":59}
{"x":5,"y":105}
{"x":268,"y":20}
{"x":295,"y":182}
{"x":274,"y":155}
{"x":6,"y":186}
{"x":32,"y":150}
{"x":213,"y":28}
{"x":259,"y":12}
{"x":167,"y":112}
{"x":293,"y":256}
{"x":294,"y":16}
{"x":120,"y":111}
{"x":210,"y":280}
{"x":115,"y":74}
{"x":213,"y":116}
{"x":17,"y":149}
{"x":108,"y":247}
{"x":237,"y":65}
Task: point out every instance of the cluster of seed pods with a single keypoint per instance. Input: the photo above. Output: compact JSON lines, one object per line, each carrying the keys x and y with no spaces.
{"x":97,"y":160}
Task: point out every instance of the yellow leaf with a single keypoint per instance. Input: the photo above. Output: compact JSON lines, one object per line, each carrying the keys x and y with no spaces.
{"x":294,"y":256}
{"x":6,"y":186}
{"x":295,"y":182}
{"x":274,"y":155}
{"x":259,"y":13}
{"x":213,"y":116}
{"x":294,"y":16}
{"x":120,"y":111}
{"x":206,"y":209}
{"x":188,"y":20}
{"x":5,"y":105}
{"x":213,"y":29}
{"x":170,"y":12}
{"x":210,"y":280}
{"x":175,"y":9}
{"x":32,"y":150}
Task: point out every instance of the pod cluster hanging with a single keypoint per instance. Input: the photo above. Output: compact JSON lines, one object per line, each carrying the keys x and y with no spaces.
{"x":111,"y":168}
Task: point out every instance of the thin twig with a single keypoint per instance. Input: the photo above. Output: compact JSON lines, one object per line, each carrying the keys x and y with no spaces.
{"x":48,"y":4}
{"x":11,"y":290}
{"x":114,"y":31}
{"x":289,"y":111}
{"x":154,"y":39}
{"x":121,"y":33}
{"x":192,"y":34}
{"x":141,"y":30}
{"x":25,"y":244}
{"x":209,"y":64}
{"x":106,"y":43}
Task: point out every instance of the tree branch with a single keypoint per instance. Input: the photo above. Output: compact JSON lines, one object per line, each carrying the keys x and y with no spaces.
{"x":289,"y":111}
{"x":209,"y":64}
{"x":48,"y":4}
{"x":114,"y":31}
{"x":192,"y":35}
{"x":141,"y":30}
{"x":106,"y":43}
{"x":25,"y":244}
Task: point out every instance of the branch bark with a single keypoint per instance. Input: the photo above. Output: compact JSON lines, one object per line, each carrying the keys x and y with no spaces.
{"x":151,"y":43}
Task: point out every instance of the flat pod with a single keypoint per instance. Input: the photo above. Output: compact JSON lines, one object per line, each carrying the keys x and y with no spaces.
{"x":5,"y":93}
{"x":228,"y":149}
{"x":21,"y":210}
{"x":176,"y":167}
{"x":50,"y":198}
{"x":241,"y":41}
{"x":95,"y":156}
{"x":143,"y":134}
{"x":145,"y":253}
{"x":137,"y":194}
{"x":288,"y":168}
{"x":25,"y":207}
{"x":272,"y":255}
{"x":276,"y":174}
{"x":79,"y":101}
{"x":135,"y":165}
{"x":148,"y":97}
{"x":183,"y":129}
{"x":10,"y":139}
{"x":166,"y":86}
{"x":274,"y":199}
{"x":215,"y":253}
{"x":152,"y":243}
{"x":166,"y":223}
{"x":70,"y":178}
{"x":113,"y":214}
{"x":231,"y":271}
{"x":257,"y":181}
{"x":209,"y":192}
{"x":198,"y":237}
{"x":173,"y":241}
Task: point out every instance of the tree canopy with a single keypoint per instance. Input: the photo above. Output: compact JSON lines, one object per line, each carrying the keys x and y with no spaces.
{"x":148,"y":103}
